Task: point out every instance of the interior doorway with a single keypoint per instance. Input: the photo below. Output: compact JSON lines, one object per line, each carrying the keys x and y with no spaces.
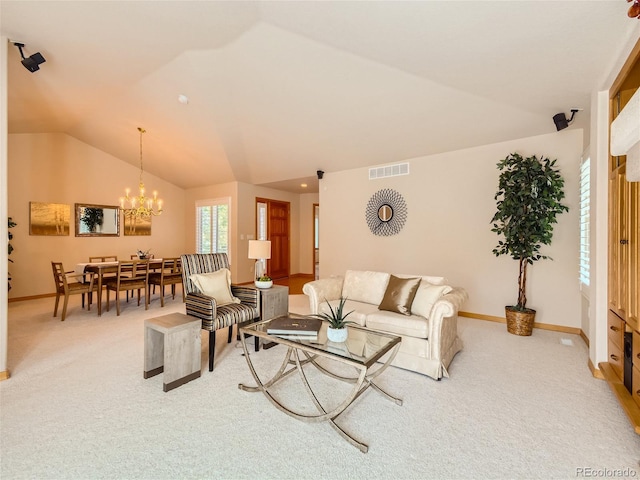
{"x":273,"y":223}
{"x":316,"y":241}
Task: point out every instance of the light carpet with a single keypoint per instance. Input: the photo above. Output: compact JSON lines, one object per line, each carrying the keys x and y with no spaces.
{"x":77,"y":407}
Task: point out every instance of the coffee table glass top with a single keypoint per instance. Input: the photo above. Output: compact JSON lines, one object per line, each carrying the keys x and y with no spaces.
{"x":363,"y":346}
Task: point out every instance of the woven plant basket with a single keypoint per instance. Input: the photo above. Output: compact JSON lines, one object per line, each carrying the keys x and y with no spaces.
{"x":520,"y":322}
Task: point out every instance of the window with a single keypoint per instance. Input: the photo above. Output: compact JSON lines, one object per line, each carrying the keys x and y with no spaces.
{"x":261,"y":215}
{"x":585,"y":201}
{"x":212,"y":225}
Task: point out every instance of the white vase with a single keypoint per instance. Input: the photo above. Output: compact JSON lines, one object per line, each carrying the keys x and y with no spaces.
{"x":337,"y":334}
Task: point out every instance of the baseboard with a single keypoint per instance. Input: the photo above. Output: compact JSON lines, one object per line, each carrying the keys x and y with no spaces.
{"x":31,"y":297}
{"x":4,"y":375}
{"x":541,"y":326}
{"x":597,"y":373}
{"x":584,"y":338}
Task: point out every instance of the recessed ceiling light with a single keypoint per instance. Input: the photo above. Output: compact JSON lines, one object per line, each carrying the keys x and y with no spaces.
{"x":303,"y":185}
{"x":183,"y":99}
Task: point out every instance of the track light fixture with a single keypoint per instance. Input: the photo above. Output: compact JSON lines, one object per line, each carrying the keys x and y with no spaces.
{"x":33,"y":62}
{"x":560,"y":119}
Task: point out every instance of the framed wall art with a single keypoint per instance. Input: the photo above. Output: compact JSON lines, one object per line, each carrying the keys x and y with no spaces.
{"x":97,"y":220}
{"x":51,"y":219}
{"x":138,"y":226}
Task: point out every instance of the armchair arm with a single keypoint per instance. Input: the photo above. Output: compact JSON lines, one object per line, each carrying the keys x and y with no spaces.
{"x":201,"y":306}
{"x":324,"y":289}
{"x":443,"y":321}
{"x":247,"y":295}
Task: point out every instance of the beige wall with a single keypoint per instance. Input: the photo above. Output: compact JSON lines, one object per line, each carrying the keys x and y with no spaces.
{"x":306,"y":232}
{"x":448,"y":232}
{"x":57,"y":168}
{"x":243,"y":223}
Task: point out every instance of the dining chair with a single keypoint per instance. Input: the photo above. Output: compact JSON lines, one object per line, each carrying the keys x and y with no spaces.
{"x":131,"y":275}
{"x":215,"y":313}
{"x":170,"y":274}
{"x":68,"y":288}
{"x":105,"y":258}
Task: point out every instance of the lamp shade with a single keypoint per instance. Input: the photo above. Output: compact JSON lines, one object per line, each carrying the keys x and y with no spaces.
{"x":625,"y":136}
{"x":259,"y":249}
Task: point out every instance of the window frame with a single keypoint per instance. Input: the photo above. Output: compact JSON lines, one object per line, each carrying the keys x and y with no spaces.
{"x":213,"y":202}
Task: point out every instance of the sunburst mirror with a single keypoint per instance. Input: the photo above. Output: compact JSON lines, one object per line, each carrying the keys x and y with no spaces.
{"x":386,"y":212}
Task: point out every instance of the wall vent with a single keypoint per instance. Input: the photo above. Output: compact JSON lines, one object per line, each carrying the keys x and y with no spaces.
{"x":389,"y":171}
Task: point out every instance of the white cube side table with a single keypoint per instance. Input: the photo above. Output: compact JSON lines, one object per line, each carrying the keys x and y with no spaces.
{"x":172,"y":345}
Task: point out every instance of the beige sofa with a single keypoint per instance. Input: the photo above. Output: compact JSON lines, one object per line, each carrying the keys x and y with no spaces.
{"x":429,"y":332}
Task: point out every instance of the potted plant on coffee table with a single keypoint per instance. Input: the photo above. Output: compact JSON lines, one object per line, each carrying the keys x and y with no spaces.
{"x":336,"y":332}
{"x":528,"y":199}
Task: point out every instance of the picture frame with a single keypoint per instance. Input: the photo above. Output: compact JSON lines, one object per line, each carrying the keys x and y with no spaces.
{"x":137,"y":226}
{"x":49,"y":219}
{"x":97,"y":220}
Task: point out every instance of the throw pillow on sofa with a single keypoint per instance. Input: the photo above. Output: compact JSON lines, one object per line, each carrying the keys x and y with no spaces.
{"x":426,"y":296}
{"x":399,"y":295}
{"x":215,"y":284}
{"x":365,"y":286}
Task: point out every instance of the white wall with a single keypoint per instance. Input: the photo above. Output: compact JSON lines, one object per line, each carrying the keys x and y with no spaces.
{"x":57,"y":168}
{"x":448,"y":230}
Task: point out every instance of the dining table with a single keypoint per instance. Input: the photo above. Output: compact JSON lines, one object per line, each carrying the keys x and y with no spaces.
{"x":102,"y":268}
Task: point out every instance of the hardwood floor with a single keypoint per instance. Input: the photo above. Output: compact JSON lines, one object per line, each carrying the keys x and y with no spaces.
{"x":295,"y":282}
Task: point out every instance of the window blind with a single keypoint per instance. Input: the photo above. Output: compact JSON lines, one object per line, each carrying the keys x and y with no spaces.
{"x":585,"y":224}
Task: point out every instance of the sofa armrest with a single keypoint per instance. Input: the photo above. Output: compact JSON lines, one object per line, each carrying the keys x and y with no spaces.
{"x":443,"y":321}
{"x":324,"y":289}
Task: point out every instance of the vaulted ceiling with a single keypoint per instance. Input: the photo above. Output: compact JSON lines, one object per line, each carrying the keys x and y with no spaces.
{"x":278,"y":90}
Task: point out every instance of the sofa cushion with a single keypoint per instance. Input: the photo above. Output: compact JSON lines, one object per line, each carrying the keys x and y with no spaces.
{"x":425,"y":278}
{"x":364,"y":286}
{"x":360,"y":310}
{"x":399,"y":294}
{"x":426,"y":296}
{"x":398,"y":324}
{"x":216,"y":285}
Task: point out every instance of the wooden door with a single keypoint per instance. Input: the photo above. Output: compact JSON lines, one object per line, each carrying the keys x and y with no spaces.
{"x":278,"y":233}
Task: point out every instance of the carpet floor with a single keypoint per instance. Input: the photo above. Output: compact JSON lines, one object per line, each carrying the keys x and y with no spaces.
{"x":77,"y":407}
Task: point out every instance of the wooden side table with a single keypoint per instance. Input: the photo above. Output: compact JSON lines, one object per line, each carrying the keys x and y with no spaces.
{"x":274,"y":302}
{"x":172,"y":345}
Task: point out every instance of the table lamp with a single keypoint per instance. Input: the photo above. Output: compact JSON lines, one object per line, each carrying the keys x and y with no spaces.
{"x":259,"y":250}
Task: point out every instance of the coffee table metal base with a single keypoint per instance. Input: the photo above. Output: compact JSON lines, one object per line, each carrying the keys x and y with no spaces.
{"x":296,"y":359}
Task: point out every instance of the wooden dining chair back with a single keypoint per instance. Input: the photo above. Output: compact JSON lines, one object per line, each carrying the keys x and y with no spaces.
{"x":170,"y":274}
{"x":131,"y":275}
{"x":67,"y":284}
{"x":104,"y":258}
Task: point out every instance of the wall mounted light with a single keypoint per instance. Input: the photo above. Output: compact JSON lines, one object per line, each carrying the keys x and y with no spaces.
{"x":33,"y":62}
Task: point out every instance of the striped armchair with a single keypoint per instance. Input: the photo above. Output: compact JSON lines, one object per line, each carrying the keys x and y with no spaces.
{"x":213,"y":316}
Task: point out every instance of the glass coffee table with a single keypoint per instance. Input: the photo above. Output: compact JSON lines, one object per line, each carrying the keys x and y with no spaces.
{"x":363,"y":351}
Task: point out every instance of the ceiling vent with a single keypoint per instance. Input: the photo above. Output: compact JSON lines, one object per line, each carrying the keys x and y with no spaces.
{"x":389,"y":171}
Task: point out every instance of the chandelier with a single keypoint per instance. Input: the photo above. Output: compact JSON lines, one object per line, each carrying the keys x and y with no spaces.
{"x":140,"y":206}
